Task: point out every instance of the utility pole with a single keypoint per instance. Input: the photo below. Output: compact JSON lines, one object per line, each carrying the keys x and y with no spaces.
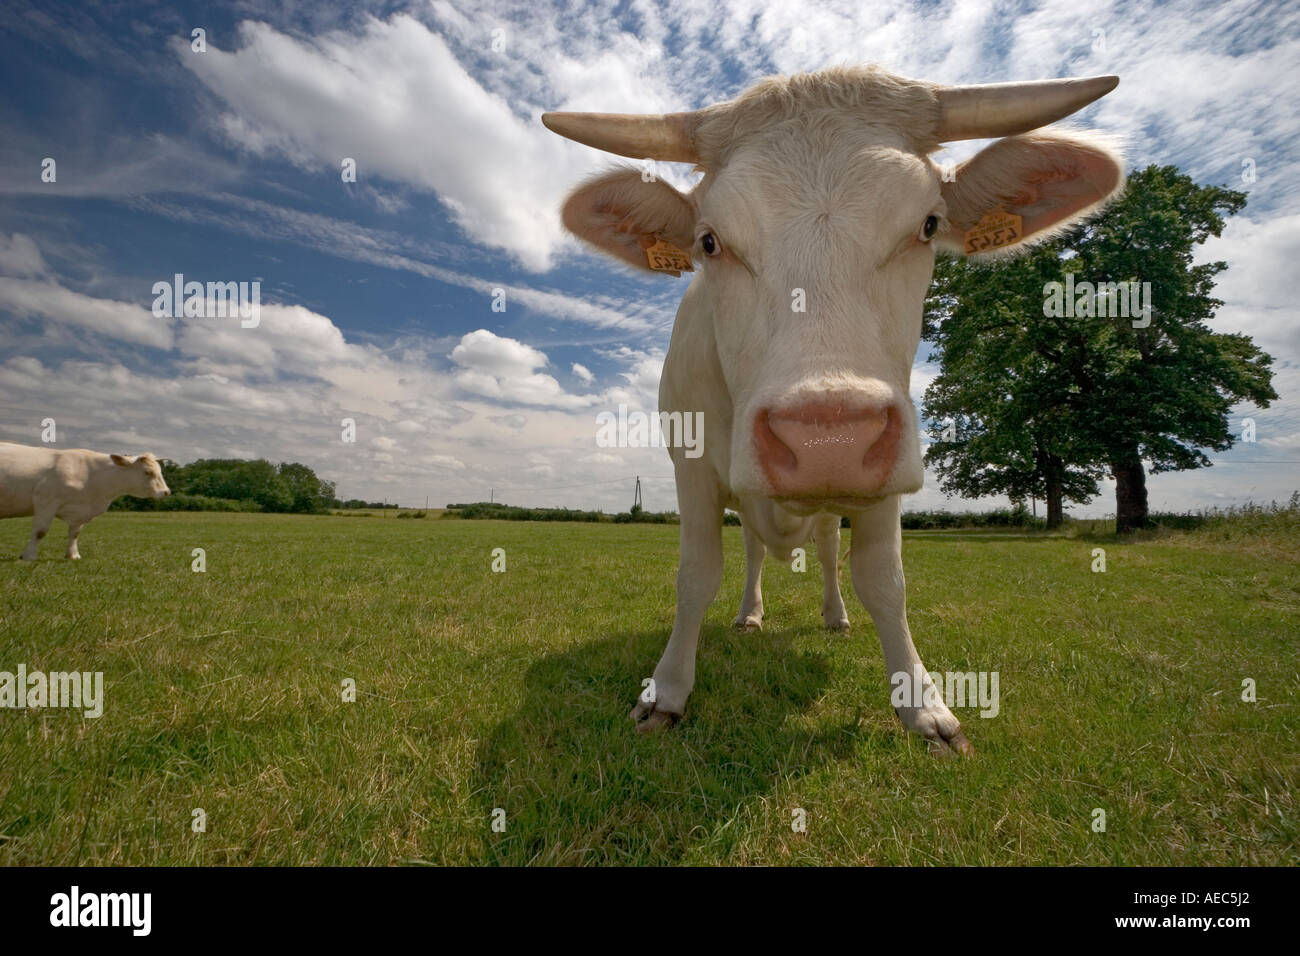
{"x":492,"y":496}
{"x":636,"y":497}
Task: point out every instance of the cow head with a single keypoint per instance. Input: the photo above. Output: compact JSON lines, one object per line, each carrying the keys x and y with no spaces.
{"x":814,"y":230}
{"x":141,"y":476}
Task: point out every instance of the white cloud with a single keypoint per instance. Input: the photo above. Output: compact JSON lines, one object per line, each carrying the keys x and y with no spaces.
{"x":445,"y":463}
{"x":483,"y":351}
{"x":53,"y":303}
{"x":394,"y":98}
{"x":1257,"y":287}
{"x":288,"y":338}
{"x":601,"y":458}
{"x":642,"y":376}
{"x":504,"y":368}
{"x":20,"y":257}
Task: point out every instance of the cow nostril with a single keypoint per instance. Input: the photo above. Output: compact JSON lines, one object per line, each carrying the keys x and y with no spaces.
{"x":771,"y":448}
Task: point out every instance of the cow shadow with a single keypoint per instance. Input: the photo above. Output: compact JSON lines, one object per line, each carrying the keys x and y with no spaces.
{"x":578,"y":785}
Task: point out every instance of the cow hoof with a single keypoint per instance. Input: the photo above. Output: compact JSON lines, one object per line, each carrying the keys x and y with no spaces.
{"x":649,"y":719}
{"x":750,"y":623}
{"x":940,"y":729}
{"x":841,"y":626}
{"x":956,"y":744}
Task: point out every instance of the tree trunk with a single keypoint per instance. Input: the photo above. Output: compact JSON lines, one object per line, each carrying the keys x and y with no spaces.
{"x":1055,"y":505}
{"x":1130,"y":494}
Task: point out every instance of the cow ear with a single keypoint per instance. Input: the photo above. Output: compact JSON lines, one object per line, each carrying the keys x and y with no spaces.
{"x":1048,"y":180}
{"x":623,"y":216}
{"x":121,"y":459}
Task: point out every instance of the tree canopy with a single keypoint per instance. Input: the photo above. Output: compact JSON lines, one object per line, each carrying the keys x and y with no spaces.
{"x":1044,"y":389}
{"x":243,"y":484}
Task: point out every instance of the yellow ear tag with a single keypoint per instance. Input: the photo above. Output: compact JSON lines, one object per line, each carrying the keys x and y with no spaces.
{"x":997,"y":228}
{"x":665,"y":257}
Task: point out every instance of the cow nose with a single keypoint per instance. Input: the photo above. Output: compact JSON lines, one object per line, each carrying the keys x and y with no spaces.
{"x":827,"y":449}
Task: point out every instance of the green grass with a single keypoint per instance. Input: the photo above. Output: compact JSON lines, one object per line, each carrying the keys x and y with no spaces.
{"x":476,"y":690}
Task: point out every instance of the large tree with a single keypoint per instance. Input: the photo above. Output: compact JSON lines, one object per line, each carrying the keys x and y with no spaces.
{"x":1040,"y":394}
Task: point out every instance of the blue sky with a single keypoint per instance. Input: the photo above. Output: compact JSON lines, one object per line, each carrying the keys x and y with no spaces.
{"x":224,"y":165}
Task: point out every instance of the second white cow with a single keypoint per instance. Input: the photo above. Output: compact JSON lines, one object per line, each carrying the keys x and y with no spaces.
{"x":73,"y":484}
{"x":814,"y":229}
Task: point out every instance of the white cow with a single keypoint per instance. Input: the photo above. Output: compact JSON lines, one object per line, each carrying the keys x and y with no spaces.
{"x":814,"y":229}
{"x":73,"y":484}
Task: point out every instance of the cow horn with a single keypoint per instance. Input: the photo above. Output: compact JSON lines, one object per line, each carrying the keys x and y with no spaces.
{"x":667,"y":136}
{"x":1005,"y":109}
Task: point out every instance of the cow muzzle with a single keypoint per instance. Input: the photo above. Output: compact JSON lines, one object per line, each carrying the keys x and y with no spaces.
{"x":828,"y":449}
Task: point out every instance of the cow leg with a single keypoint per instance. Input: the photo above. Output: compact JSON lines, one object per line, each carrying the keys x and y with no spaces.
{"x":827,"y":534}
{"x":74,"y":528}
{"x":42,"y":518}
{"x":750,"y":617}
{"x":876,"y":559}
{"x":699,"y":575}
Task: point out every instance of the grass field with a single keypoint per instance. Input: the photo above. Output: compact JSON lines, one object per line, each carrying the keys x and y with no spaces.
{"x":478,"y":690}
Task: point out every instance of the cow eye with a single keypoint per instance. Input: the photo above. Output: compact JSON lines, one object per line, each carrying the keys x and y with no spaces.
{"x":930,"y":228}
{"x":709,"y":243}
